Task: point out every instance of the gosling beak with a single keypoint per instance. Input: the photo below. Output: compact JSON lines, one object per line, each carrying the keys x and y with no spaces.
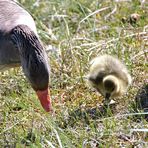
{"x":106,"y":100}
{"x":107,"y":96}
{"x":44,"y":97}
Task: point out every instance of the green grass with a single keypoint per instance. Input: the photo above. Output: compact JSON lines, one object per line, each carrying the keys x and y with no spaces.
{"x":78,"y":31}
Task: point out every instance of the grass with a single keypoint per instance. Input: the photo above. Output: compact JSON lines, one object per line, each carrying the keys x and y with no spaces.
{"x":78,"y":31}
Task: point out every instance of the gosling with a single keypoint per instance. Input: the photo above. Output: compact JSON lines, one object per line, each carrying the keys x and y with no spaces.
{"x":109,"y":76}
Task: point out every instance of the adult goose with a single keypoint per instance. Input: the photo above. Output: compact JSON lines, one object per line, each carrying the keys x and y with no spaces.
{"x":109,"y":76}
{"x":21,"y":46}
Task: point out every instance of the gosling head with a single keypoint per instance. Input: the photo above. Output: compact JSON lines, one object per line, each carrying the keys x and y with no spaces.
{"x":111,"y":86}
{"x":109,"y":76}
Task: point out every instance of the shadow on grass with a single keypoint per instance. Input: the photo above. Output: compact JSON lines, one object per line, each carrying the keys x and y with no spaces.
{"x":140,"y":103}
{"x":87,"y":116}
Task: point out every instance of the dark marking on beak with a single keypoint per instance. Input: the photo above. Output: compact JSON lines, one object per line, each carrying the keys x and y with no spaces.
{"x":107,"y":96}
{"x":106,"y":101}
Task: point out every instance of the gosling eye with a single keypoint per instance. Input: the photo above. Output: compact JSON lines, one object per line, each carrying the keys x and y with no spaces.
{"x":113,"y":88}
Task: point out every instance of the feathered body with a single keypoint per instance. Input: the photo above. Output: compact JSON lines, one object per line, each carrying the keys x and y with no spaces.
{"x":109,"y":76}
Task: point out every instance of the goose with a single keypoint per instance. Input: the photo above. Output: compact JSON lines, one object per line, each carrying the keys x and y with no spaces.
{"x":108,"y":76}
{"x":20,"y":46}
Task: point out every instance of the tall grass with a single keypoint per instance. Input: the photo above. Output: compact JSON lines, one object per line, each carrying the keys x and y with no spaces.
{"x":74,"y":32}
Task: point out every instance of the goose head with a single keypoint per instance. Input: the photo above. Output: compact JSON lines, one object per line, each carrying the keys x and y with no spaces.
{"x":34,"y":62}
{"x":108,"y":85}
{"x":111,"y":86}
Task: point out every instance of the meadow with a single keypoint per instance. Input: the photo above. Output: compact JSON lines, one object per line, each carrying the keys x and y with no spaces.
{"x":73,"y":33}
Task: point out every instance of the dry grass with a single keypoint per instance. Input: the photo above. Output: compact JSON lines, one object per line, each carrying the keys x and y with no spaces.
{"x":78,"y":31}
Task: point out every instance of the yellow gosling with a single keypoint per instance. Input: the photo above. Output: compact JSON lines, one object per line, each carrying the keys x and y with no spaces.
{"x":109,"y":76}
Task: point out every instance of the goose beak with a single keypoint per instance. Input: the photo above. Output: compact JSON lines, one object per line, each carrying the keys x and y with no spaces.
{"x":44,"y":97}
{"x":107,"y":96}
{"x":106,"y":101}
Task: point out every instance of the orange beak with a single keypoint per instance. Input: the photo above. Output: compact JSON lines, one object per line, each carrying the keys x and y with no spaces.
{"x":44,"y":97}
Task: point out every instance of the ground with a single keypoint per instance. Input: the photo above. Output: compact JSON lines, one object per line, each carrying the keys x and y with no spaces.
{"x":74,"y":32}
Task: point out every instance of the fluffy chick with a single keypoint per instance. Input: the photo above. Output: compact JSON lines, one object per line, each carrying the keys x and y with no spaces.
{"x":109,"y":76}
